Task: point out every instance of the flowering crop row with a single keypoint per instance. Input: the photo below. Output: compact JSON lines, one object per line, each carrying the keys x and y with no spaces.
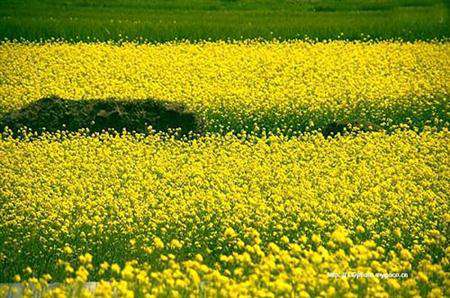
{"x":227,"y":215}
{"x":292,"y":86}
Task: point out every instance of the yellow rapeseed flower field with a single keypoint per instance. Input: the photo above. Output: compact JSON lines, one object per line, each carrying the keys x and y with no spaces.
{"x":227,"y":215}
{"x":296,"y":85}
{"x":259,"y":203}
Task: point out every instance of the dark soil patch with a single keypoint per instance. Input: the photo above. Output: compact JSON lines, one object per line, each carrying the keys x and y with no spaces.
{"x":53,"y":114}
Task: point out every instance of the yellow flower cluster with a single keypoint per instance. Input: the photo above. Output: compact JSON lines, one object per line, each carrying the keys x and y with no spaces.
{"x":248,"y":85}
{"x":227,"y":215}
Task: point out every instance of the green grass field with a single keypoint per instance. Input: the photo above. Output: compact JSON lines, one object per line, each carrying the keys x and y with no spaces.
{"x":160,"y":20}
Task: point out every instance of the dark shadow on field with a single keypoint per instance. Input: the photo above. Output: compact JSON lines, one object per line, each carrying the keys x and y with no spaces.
{"x":55,"y":114}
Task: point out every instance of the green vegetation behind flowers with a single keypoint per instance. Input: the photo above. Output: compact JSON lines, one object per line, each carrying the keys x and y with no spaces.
{"x":220,"y":20}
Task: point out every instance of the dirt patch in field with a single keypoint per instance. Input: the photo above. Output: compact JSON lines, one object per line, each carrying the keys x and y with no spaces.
{"x":53,"y":114}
